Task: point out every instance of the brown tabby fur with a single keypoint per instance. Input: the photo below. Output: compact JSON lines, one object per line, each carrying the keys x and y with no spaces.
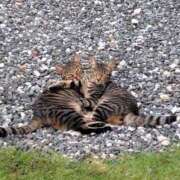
{"x":59,"y":108}
{"x":111,"y":103}
{"x":117,"y":106}
{"x":64,"y":106}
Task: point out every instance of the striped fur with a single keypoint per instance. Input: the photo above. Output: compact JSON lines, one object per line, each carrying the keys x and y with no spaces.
{"x":119,"y":107}
{"x":59,"y":108}
{"x":114,"y":104}
{"x":148,"y":121}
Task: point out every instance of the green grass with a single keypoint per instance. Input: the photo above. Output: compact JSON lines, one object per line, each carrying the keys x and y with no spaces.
{"x":19,"y":165}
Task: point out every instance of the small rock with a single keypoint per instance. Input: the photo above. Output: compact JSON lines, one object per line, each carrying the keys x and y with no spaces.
{"x":18,"y":3}
{"x":175,"y":109}
{"x":20,"y":90}
{"x":172,"y":66}
{"x":1,"y":89}
{"x":128,"y":49}
{"x":73,"y":133}
{"x":52,"y":68}
{"x":163,"y":140}
{"x":169,"y":88}
{"x":134,"y":21}
{"x":134,"y":94}
{"x":97,"y":2}
{"x":122,"y":64}
{"x":167,"y":73}
{"x":1,"y":65}
{"x":23,"y":115}
{"x":136,"y":11}
{"x":149,"y":27}
{"x":68,"y":51}
{"x":1,"y":18}
{"x":101,"y":45}
{"x":2,"y":26}
{"x":36,"y":73}
{"x":28,"y":84}
{"x":177,"y":70}
{"x":20,"y":124}
{"x":141,"y":130}
{"x":164,"y":97}
{"x":108,"y":144}
{"x":176,"y":61}
{"x":114,"y":73}
{"x":103,"y":156}
{"x":130,"y":128}
{"x":156,"y":87}
{"x":143,"y":76}
{"x":43,"y":68}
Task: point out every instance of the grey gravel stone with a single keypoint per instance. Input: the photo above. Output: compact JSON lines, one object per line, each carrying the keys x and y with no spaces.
{"x":144,"y":36}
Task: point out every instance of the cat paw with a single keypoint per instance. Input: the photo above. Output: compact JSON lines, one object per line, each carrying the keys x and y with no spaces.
{"x":55,"y":88}
{"x":95,"y":127}
{"x":64,"y":84}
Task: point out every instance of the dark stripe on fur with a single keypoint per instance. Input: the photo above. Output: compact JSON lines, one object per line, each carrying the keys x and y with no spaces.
{"x":3,"y":132}
{"x":170,"y":119}
{"x":14,"y":131}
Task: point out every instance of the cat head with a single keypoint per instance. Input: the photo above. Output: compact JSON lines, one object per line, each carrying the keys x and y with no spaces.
{"x":101,"y":72}
{"x":72,"y":70}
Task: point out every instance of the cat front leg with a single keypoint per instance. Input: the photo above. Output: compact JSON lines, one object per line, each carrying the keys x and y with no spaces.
{"x":64,"y":84}
{"x":87,"y":104}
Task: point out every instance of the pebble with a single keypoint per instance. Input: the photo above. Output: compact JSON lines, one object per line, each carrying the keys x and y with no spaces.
{"x":177,"y":70}
{"x":43,"y":68}
{"x":114,"y":73}
{"x":175,"y":109}
{"x":36,"y":73}
{"x":122,"y":64}
{"x":101,"y":45}
{"x":164,"y":97}
{"x":136,"y":11}
{"x":169,"y":88}
{"x":141,"y":130}
{"x":20,"y":90}
{"x":134,"y":94}
{"x":107,"y":29}
{"x":1,"y":65}
{"x":163,"y":140}
{"x":134,"y":21}
{"x":173,"y":66}
{"x":167,"y":73}
{"x":130,"y":128}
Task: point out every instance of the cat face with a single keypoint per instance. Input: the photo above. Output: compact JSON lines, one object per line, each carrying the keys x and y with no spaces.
{"x":101,"y":72}
{"x":97,"y":73}
{"x":72,"y":70}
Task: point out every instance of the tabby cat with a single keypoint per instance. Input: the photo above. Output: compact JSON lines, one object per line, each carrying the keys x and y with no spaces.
{"x":111,"y":103}
{"x":117,"y":106}
{"x":60,"y":108}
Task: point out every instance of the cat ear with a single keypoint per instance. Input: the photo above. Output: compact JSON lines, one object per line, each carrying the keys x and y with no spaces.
{"x":93,"y":62}
{"x":76,"y":58}
{"x":59,"y":69}
{"x":112,"y":65}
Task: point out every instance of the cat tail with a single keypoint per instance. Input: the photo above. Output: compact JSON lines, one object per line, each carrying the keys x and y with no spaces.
{"x":14,"y":130}
{"x":149,"y":121}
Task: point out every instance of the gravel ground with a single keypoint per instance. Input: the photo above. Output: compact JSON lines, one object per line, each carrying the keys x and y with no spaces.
{"x":144,"y":35}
